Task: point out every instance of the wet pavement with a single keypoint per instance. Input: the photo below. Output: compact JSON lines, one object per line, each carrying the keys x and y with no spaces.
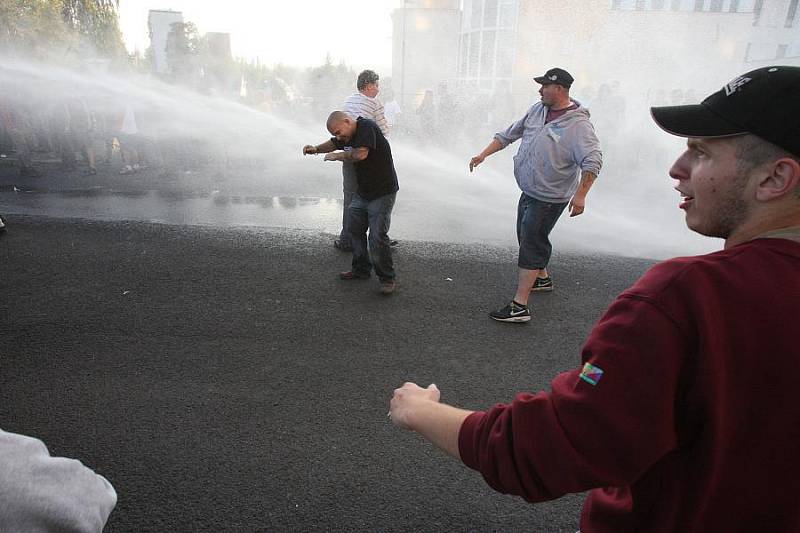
{"x":438,"y":202}
{"x":224,"y":379}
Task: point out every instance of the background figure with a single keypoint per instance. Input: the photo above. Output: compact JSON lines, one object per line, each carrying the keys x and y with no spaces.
{"x":363,"y":103}
{"x":391,"y":109}
{"x":81,"y":131}
{"x":49,"y":494}
{"x":426,"y":113}
{"x":557,"y":162}
{"x":59,"y":122}
{"x":372,"y":204}
{"x":128,"y":137}
{"x":17,"y":125}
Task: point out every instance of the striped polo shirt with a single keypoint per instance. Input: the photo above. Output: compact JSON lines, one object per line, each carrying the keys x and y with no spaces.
{"x":361,"y":105}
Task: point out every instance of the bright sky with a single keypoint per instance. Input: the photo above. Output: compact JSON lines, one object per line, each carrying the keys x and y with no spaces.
{"x":299,"y":32}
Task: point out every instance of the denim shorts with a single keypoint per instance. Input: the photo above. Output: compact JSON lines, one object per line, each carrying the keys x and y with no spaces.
{"x":535,"y":221}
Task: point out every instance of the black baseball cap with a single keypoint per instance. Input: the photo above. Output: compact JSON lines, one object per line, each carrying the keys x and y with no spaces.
{"x":558,"y":76}
{"x":764,"y":102}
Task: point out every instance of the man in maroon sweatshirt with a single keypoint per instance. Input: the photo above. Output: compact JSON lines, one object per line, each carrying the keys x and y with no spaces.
{"x":683,"y":416}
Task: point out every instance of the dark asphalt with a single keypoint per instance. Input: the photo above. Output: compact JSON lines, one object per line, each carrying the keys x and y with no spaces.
{"x":226,"y":380}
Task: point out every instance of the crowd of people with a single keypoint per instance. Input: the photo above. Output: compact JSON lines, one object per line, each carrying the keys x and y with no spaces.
{"x":683,"y":401}
{"x":680,"y":417}
{"x":70,"y":130}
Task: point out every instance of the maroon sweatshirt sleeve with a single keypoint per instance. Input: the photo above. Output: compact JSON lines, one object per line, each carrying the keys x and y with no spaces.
{"x":581,"y":435}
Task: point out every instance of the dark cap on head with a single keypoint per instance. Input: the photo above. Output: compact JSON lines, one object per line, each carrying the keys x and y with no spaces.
{"x":764,"y":102}
{"x":559,"y":76}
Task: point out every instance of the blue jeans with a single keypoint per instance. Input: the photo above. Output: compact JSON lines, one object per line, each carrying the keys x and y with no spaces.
{"x":349,"y":188}
{"x":375,"y":215}
{"x":535,"y":221}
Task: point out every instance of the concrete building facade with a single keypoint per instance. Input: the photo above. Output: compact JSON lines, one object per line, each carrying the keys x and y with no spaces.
{"x":159,"y":23}
{"x":425,"y":36}
{"x":656,"y":49}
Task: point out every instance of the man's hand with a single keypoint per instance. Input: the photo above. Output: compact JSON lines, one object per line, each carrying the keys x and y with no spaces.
{"x":576,"y":206}
{"x":333,"y":156}
{"x":475,"y":161}
{"x":407,"y":398}
{"x":309,"y":150}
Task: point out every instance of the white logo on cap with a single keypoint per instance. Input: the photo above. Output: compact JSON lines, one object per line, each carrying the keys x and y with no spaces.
{"x":736,"y":84}
{"x":553,"y":77}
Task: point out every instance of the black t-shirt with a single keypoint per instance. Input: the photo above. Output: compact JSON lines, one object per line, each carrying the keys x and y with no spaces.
{"x":375,"y":174}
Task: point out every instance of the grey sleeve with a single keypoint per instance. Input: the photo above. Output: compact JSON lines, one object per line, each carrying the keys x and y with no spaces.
{"x":513,"y":132}
{"x":43,"y":494}
{"x":586,"y":149}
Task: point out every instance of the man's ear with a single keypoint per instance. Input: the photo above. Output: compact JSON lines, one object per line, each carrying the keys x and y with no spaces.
{"x":783,"y":178}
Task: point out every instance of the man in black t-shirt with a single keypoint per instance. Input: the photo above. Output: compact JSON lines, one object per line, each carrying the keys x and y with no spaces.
{"x":371,"y":206}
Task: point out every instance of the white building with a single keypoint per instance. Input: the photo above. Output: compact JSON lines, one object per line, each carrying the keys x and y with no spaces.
{"x":159,"y":23}
{"x":651,"y":47}
{"x":425,"y":37}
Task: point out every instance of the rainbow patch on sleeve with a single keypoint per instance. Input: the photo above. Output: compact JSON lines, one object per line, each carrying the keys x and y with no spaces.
{"x":591,"y":374}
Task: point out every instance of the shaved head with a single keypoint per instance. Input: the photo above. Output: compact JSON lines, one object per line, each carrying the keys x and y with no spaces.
{"x":336,"y":117}
{"x":341,"y":125}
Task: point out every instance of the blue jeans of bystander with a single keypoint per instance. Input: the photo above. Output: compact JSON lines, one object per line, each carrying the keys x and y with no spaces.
{"x":375,"y":216}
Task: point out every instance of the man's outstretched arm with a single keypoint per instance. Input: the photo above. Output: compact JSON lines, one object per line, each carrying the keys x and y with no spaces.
{"x":418,"y":409}
{"x":494,"y":146}
{"x":323,"y":148}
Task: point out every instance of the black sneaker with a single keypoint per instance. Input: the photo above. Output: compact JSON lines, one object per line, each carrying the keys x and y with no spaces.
{"x":2,"y":225}
{"x":542,"y":285}
{"x":513,"y":312}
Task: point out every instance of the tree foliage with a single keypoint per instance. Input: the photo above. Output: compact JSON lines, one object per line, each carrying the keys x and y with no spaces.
{"x":44,"y":28}
{"x":185,"y":51}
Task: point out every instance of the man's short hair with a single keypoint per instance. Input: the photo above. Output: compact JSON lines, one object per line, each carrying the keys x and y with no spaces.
{"x":753,"y":151}
{"x":365,"y":78}
{"x":336,"y":117}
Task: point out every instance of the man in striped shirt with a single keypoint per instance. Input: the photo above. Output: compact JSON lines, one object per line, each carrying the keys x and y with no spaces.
{"x":365,"y":104}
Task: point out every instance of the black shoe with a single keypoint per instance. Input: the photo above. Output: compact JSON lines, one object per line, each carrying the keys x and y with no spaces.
{"x":352,"y":275}
{"x":339,"y":245}
{"x":388,"y":287}
{"x":542,"y":285}
{"x":2,"y":225}
{"x":393,"y":243}
{"x":513,"y":312}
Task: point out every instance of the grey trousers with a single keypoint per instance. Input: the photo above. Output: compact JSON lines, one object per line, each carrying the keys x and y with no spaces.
{"x":349,"y":188}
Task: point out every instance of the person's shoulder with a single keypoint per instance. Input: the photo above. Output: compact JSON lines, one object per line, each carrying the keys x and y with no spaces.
{"x":366,"y":129}
{"x":537,"y":107}
{"x":367,"y":122}
{"x":685,"y":273}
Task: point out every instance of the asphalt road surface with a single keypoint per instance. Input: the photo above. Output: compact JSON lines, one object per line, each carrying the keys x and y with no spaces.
{"x":224,"y":379}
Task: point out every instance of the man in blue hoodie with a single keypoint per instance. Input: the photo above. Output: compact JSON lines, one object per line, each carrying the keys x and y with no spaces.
{"x":558,"y":160}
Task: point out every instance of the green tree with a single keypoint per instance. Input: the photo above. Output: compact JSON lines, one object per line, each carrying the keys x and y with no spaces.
{"x":33,"y":27}
{"x":97,"y":22}
{"x":185,"y":47}
{"x":44,"y":28}
{"x":328,"y":85}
